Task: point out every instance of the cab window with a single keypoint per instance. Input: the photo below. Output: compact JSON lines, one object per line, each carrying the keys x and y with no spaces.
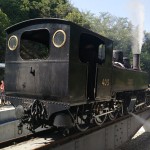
{"x":34,"y":44}
{"x":91,"y":49}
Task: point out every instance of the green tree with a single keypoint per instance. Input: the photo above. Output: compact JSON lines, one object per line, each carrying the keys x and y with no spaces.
{"x":12,"y":9}
{"x":116,"y":28}
{"x":60,"y":8}
{"x":35,"y":9}
{"x":4,"y":22}
{"x":145,"y":54}
{"x":77,"y":17}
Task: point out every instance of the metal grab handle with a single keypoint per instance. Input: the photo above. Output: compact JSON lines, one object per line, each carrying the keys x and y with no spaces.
{"x":32,"y":71}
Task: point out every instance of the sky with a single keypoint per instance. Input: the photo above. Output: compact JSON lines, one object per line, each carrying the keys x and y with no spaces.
{"x":118,"y":8}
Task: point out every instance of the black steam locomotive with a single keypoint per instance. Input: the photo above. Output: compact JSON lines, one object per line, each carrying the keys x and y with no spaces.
{"x":60,"y":74}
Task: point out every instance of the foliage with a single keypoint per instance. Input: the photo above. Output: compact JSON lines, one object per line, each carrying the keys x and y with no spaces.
{"x":77,"y":17}
{"x":4,"y":22}
{"x":12,"y":9}
{"x":117,"y":29}
{"x":145,"y":57}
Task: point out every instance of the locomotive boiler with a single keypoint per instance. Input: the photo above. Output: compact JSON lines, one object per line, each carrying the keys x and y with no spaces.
{"x":60,"y":74}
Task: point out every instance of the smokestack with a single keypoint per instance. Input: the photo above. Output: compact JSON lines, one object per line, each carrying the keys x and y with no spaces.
{"x":136,"y":62}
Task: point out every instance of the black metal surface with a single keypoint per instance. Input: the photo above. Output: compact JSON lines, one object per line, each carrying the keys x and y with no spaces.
{"x":36,"y":78}
{"x":128,"y":80}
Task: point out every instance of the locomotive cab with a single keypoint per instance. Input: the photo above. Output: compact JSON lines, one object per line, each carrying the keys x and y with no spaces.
{"x":37,"y":60}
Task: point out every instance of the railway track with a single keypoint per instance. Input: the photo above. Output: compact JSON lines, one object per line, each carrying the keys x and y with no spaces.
{"x":51,"y":138}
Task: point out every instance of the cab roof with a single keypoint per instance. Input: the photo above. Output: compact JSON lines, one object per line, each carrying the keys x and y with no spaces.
{"x":36,"y":21}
